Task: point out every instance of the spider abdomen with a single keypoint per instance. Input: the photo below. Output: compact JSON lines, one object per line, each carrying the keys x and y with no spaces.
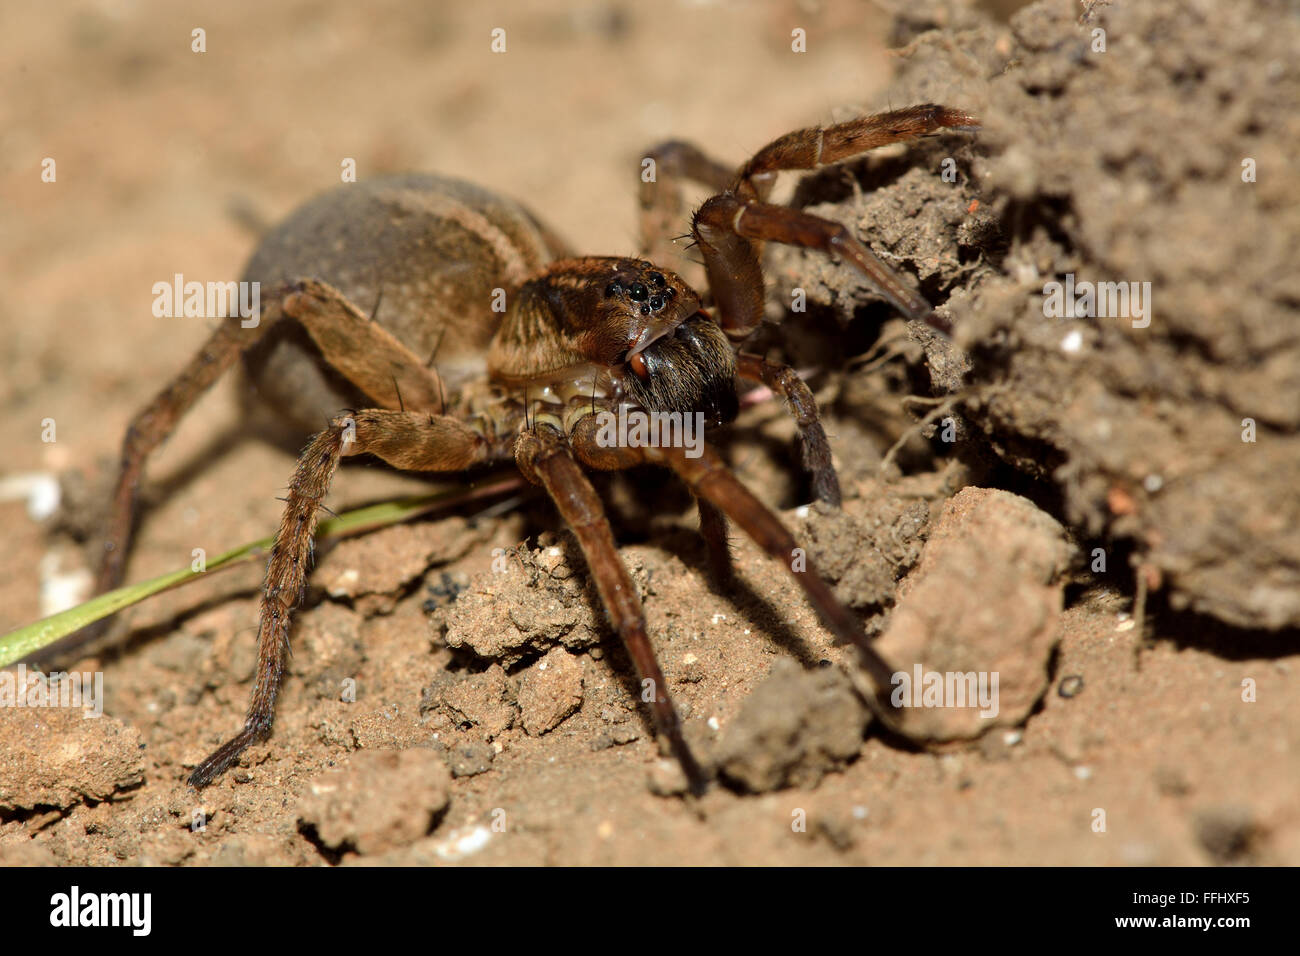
{"x":432,"y":259}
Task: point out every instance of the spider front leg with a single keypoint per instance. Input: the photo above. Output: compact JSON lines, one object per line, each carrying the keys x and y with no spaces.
{"x":822,"y":145}
{"x":544,"y":458}
{"x":729,"y":224}
{"x":710,"y":480}
{"x":415,"y":441}
{"x":726,"y":227}
{"x":816,"y":450}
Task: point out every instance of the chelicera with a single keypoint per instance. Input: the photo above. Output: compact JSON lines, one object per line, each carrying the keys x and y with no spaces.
{"x":428,"y":258}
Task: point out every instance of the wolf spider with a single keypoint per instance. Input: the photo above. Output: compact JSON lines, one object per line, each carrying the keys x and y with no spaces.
{"x":578,"y":336}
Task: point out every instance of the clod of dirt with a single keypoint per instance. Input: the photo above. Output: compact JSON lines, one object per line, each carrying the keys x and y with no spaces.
{"x":1227,"y":833}
{"x":373,"y":569}
{"x":550,"y":691}
{"x":1115,"y":148}
{"x":865,"y":547}
{"x":55,"y":757}
{"x":27,"y":853}
{"x":616,"y":736}
{"x":533,"y":603}
{"x":466,"y":701}
{"x":795,"y":727}
{"x":985,"y":600}
{"x":1188,"y":413}
{"x":381,"y":800}
{"x":467,"y":757}
{"x":845,"y":553}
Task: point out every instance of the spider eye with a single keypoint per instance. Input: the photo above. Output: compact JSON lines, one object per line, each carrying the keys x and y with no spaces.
{"x":612,"y":290}
{"x":638,"y":366}
{"x":639,"y":292}
{"x":657,"y":279}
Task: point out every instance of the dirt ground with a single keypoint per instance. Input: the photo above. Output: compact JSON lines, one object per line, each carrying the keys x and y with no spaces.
{"x":1102,"y":513}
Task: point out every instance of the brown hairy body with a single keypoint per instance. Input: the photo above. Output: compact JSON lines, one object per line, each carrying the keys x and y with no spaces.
{"x":451,"y":324}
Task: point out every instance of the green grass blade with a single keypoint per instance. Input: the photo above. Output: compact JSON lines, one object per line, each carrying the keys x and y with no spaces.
{"x":25,"y":641}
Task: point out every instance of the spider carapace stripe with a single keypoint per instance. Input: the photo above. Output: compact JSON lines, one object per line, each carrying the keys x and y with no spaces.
{"x":532,"y":347}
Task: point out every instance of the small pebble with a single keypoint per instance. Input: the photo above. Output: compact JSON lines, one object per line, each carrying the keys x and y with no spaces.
{"x":666,"y":778}
{"x":1071,"y":686}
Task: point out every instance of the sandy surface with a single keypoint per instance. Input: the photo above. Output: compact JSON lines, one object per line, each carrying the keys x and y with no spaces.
{"x":511,"y":708}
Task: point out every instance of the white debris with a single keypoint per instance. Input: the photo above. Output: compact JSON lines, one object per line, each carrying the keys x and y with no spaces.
{"x":61,"y":590}
{"x":463,"y":842}
{"x":345,"y":582}
{"x":39,"y":488}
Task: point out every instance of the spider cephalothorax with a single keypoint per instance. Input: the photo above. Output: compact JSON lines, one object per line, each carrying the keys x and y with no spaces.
{"x":617,"y":329}
{"x":531,"y":346}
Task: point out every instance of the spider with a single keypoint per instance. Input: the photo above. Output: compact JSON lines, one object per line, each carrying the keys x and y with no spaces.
{"x":533,"y":344}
